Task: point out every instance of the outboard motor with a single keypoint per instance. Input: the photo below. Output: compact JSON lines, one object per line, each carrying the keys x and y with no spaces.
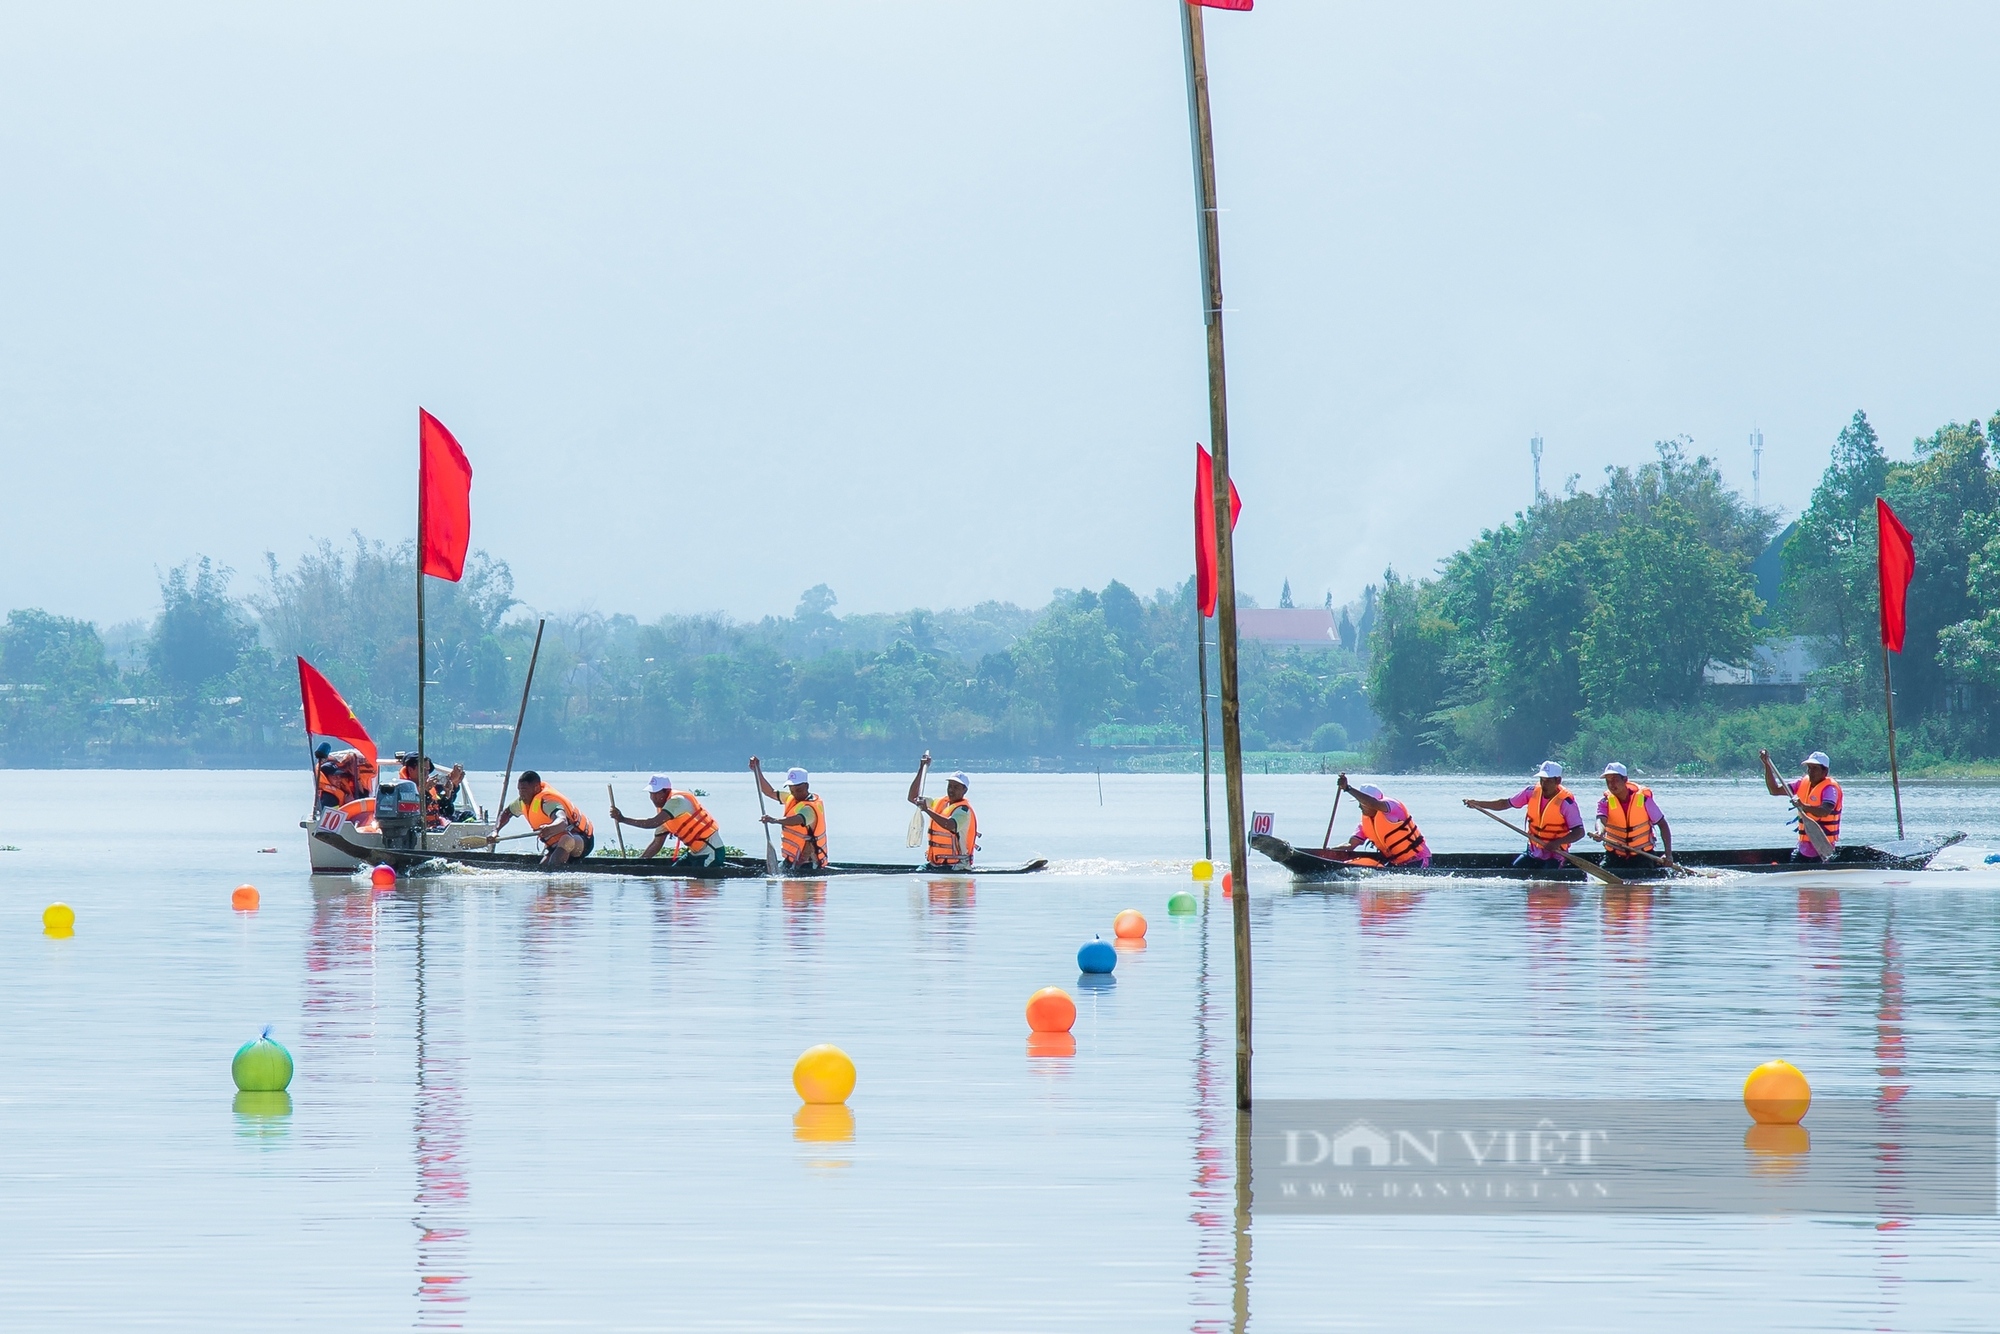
{"x":398,"y":814}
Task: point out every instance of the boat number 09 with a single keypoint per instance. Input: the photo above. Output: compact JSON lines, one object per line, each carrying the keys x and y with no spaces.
{"x":1260,"y":823}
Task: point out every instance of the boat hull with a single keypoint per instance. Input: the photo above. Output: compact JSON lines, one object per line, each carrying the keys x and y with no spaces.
{"x":1315,"y":864}
{"x":734,"y":868}
{"x":329,"y":859}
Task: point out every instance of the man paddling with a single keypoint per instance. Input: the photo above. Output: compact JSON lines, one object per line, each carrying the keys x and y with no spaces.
{"x":1819,"y":799}
{"x":565,"y":834}
{"x":954,"y":829}
{"x":1626,"y":814}
{"x":683,"y":816}
{"x":1388,"y":827}
{"x":1554,"y":819}
{"x":804,"y":820}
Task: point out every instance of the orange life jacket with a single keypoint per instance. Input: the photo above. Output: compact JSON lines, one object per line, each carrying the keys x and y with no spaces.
{"x":538,"y":812}
{"x":1546,"y":821}
{"x":343,"y":776}
{"x":944,"y":848}
{"x":1399,"y":841}
{"x":1627,"y":827}
{"x":806,"y":847}
{"x":1811,"y":796}
{"x":693,"y":829}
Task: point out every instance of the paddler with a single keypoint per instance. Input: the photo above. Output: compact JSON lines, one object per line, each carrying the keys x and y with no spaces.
{"x":1387,"y":826}
{"x":340,"y":776}
{"x":1626,"y":814}
{"x":1819,"y":799}
{"x":681,"y":815}
{"x":440,"y":797}
{"x":1554,"y":819}
{"x":565,"y":833}
{"x":954,"y":829}
{"x":804,"y":819}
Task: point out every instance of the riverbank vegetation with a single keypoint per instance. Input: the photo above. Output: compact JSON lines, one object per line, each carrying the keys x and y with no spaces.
{"x":1096,"y":678}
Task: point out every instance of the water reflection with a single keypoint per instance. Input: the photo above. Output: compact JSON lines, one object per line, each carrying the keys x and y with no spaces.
{"x":824,"y":1123}
{"x":263,"y":1117}
{"x":1382,"y":910}
{"x":443,"y":1179}
{"x":1222,"y":1244}
{"x":805,"y":910}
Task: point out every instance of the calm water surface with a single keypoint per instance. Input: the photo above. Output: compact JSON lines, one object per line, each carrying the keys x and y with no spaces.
{"x":526,"y":1103}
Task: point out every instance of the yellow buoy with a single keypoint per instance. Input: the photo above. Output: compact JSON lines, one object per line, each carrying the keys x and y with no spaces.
{"x":1776,"y":1094}
{"x":823,"y":1075}
{"x":1204,"y":870}
{"x":59,"y":919}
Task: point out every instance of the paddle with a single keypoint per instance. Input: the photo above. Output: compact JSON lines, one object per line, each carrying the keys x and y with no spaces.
{"x":1814,"y":834}
{"x":617,"y":823}
{"x":919,"y":824}
{"x":770,"y":853}
{"x":1627,"y":850}
{"x":1327,"y":842}
{"x":1591,"y":869}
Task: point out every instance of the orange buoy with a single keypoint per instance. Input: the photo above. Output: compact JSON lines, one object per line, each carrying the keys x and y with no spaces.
{"x":383,"y":876}
{"x":245,"y":898}
{"x":1228,"y":885}
{"x":1776,"y":1094}
{"x":1129,"y":925}
{"x":1051,"y":1010}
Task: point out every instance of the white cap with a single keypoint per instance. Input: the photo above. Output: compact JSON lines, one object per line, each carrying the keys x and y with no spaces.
{"x":1370,"y":790}
{"x":1818,"y":757}
{"x":659,"y":783}
{"x":960,"y":779}
{"x":1616,"y":768}
{"x":793,"y":776}
{"x":1549,"y":769}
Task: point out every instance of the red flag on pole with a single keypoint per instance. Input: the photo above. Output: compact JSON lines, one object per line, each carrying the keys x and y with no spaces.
{"x":1224,"y":4}
{"x":327,"y":713}
{"x":1205,"y":557}
{"x":1897,"y":560}
{"x":444,"y":500}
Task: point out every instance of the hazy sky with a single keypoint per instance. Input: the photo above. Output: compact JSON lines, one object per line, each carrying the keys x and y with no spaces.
{"x":729,"y":299}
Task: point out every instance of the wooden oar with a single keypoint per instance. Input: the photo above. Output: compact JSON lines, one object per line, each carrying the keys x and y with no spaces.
{"x":617,"y":824}
{"x":1327,"y":842}
{"x":1591,"y":869}
{"x":770,"y":853}
{"x":1627,"y":850}
{"x":919,"y":825}
{"x":515,"y":744}
{"x":1814,"y":834}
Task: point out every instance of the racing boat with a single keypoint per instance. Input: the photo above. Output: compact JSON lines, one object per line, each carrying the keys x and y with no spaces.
{"x":434,"y":857}
{"x":1321,"y":864}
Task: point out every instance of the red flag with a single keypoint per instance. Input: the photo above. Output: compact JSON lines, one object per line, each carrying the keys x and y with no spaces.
{"x":1205,"y":550}
{"x":1896,"y":557}
{"x":444,"y":500}
{"x":1224,"y":4}
{"x":327,"y":713}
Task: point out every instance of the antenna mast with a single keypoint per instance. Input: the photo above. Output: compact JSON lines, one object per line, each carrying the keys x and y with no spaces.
{"x":1756,"y":467}
{"x":1535,"y":448}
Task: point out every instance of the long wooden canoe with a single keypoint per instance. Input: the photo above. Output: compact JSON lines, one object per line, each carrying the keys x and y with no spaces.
{"x":658,"y":868}
{"x":1315,"y":864}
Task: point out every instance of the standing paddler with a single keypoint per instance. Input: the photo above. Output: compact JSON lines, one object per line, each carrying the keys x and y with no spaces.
{"x":1819,"y":800}
{"x":804,"y":820}
{"x":1554,"y":819}
{"x":682,"y":815}
{"x":1386,"y":825}
{"x":954,"y":829}
{"x":565,"y":833}
{"x":1626,"y":814}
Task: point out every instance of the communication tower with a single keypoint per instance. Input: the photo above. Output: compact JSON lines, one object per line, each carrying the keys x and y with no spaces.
{"x":1756,"y":467}
{"x":1535,"y":448}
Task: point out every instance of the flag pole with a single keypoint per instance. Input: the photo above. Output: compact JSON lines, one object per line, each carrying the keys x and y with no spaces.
{"x":1889,"y":708}
{"x":1225,"y":563}
{"x":423,"y":786}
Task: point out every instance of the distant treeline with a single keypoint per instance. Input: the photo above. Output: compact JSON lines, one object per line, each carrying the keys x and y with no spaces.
{"x":1582,"y":629}
{"x":1095,"y":677}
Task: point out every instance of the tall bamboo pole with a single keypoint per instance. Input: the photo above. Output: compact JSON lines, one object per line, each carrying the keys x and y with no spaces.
{"x":423,"y":487}
{"x":1889,"y":707}
{"x":1225,"y":562}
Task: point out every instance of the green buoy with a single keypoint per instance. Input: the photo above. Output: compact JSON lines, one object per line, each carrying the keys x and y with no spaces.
{"x":262,"y":1066}
{"x":1183,"y":904}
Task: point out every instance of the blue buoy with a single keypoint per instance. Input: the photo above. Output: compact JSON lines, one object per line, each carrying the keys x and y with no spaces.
{"x":1992,"y":857}
{"x":1097,"y":957}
